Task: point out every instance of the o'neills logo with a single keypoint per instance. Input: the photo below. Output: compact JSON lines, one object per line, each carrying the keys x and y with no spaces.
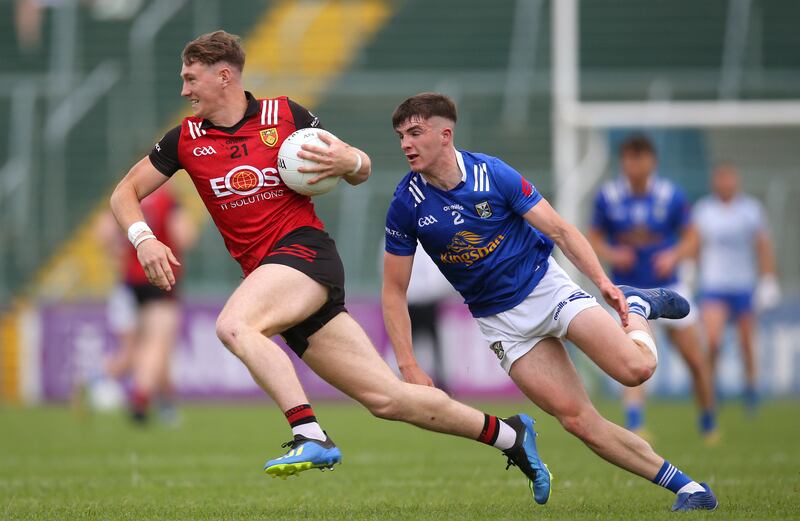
{"x":465,"y":248}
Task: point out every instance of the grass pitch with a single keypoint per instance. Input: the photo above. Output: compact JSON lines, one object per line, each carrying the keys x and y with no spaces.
{"x":54,"y":465}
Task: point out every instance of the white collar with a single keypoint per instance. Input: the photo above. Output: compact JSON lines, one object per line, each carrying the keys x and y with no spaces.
{"x":626,"y":184}
{"x":460,"y":161}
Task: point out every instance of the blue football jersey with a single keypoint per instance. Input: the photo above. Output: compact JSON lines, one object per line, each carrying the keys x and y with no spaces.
{"x":475,"y":233}
{"x":648,"y":223}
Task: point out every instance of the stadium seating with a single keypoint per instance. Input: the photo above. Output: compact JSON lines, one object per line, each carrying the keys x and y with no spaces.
{"x":423,"y":46}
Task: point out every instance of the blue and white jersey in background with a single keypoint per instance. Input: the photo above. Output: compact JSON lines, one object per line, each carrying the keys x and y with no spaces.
{"x":648,"y":223}
{"x":728,"y":233}
{"x":475,"y":233}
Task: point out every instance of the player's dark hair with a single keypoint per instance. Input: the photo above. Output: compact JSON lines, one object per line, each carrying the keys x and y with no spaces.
{"x":425,"y":105}
{"x":212,"y":48}
{"x":637,"y":144}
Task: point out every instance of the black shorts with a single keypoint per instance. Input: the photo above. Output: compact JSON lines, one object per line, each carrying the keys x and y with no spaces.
{"x":313,"y":252}
{"x":146,"y":292}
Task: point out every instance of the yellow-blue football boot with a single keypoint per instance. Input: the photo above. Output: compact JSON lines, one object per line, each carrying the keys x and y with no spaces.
{"x":525,"y":456}
{"x":304,"y":454}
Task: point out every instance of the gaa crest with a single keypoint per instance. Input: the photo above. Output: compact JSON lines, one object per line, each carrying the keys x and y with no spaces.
{"x":484,"y":209}
{"x":497,"y":347}
{"x":269,"y":136}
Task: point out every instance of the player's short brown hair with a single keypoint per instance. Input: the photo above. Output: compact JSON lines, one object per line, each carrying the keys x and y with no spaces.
{"x":425,"y":105}
{"x":212,"y":48}
{"x":637,"y":144}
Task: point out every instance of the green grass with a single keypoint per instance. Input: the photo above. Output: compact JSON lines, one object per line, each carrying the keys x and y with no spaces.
{"x":56,"y":466}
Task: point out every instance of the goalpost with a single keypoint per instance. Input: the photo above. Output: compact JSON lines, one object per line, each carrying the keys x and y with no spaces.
{"x":580,"y":146}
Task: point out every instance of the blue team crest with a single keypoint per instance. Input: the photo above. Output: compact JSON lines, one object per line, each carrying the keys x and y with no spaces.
{"x":484,"y":209}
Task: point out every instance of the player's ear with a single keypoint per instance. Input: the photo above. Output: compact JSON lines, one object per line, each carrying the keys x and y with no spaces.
{"x":447,"y":136}
{"x":224,"y":76}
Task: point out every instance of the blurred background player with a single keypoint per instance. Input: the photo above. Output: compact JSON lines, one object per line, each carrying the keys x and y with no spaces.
{"x":146,"y":319}
{"x":736,"y":262}
{"x":639,"y":227}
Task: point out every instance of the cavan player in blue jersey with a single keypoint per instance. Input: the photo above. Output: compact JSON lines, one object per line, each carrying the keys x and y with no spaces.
{"x":491,"y":234}
{"x":641,"y":227}
{"x":737,"y":262}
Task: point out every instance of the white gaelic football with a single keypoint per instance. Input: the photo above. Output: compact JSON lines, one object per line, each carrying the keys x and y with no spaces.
{"x":288,"y":162}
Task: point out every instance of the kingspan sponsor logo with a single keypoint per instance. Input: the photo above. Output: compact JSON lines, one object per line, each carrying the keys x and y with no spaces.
{"x":465,"y":248}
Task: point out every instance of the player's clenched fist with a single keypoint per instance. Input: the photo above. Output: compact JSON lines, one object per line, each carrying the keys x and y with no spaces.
{"x":156,"y":259}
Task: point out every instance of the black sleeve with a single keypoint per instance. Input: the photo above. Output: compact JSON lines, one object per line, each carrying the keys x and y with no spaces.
{"x":303,"y":118}
{"x":164,"y":155}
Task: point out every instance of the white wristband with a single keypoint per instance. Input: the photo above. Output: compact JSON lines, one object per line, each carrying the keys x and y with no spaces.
{"x":135,"y":229}
{"x":359,"y":162}
{"x":143,"y":237}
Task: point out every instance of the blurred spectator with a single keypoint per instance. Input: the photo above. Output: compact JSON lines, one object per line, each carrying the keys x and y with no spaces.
{"x":29,"y":16}
{"x":144,"y":318}
{"x":640,"y":228}
{"x":426,"y":291}
{"x":734,"y":249}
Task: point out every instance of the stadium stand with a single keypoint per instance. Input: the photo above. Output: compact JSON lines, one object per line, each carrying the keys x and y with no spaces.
{"x":422,"y":46}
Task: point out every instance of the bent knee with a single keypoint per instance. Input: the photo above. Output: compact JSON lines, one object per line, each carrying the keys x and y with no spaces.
{"x":637,"y":372}
{"x":392,"y":403}
{"x":229,"y":331}
{"x":581,"y":424}
{"x":383,"y":405}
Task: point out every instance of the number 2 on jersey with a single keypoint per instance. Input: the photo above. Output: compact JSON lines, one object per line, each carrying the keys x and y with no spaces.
{"x":457,"y":219}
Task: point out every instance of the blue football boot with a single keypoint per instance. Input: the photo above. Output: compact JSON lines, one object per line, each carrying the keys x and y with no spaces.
{"x":304,"y":454}
{"x":525,"y":456}
{"x":705,"y":500}
{"x":664,"y":303}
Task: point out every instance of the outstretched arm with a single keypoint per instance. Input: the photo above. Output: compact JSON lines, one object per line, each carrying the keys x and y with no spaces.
{"x":154,"y":256}
{"x":396,"y":276}
{"x":578,"y":250}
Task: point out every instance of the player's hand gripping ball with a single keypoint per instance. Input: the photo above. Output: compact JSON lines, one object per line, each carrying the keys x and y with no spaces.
{"x":288,"y":163}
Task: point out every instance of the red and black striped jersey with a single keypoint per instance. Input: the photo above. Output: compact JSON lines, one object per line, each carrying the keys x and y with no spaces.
{"x":235,"y":172}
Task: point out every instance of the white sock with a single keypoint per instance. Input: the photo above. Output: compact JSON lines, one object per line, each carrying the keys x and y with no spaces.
{"x":691,"y":488}
{"x":506,"y":437}
{"x":640,"y":303}
{"x":310,"y":430}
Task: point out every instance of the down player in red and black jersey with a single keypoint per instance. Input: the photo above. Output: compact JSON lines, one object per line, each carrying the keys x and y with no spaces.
{"x":294,"y":280}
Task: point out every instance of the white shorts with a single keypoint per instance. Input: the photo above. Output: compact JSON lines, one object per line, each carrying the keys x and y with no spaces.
{"x":546,"y":312}
{"x":122,"y":310}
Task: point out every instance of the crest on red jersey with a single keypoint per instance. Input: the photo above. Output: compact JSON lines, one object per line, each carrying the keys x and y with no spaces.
{"x":269,"y":136}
